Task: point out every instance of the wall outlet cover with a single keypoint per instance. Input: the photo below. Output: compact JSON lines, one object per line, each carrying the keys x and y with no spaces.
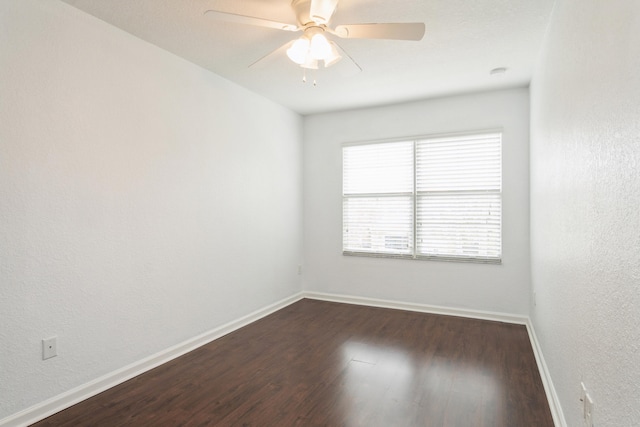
{"x":49,"y":348}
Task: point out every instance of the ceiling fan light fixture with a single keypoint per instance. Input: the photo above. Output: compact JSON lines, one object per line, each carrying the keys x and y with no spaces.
{"x":307,"y":52}
{"x":333,"y":57}
{"x":320,"y":49}
{"x":299,"y":50}
{"x":310,"y":63}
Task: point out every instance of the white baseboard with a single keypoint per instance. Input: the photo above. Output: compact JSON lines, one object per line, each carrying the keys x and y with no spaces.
{"x":422,"y":308}
{"x":65,"y":400}
{"x":549,"y":389}
{"x":552,"y":397}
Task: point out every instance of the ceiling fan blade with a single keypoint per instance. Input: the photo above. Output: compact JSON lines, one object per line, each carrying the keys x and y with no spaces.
{"x":321,"y":11}
{"x":350,"y":66}
{"x":249,"y":20}
{"x":272,"y":56}
{"x":394,"y":31}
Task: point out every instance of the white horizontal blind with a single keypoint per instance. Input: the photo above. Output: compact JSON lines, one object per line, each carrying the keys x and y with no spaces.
{"x":431,"y":198}
{"x":378,"y":201}
{"x":459,"y":202}
{"x":381,"y":168}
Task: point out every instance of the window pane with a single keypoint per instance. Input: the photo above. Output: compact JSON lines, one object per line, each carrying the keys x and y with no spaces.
{"x":471,"y":162}
{"x":455,"y":183}
{"x":378,"y":225}
{"x":378,"y":168}
{"x":459,"y":225}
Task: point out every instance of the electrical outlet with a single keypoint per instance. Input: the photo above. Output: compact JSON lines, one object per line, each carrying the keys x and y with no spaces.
{"x":49,"y":348}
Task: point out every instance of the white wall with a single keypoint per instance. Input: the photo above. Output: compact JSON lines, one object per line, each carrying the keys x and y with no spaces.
{"x":143,"y":200}
{"x":585,"y":200}
{"x":501,"y":288}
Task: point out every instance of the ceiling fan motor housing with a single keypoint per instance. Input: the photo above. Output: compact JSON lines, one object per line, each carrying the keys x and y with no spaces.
{"x":302,"y":9}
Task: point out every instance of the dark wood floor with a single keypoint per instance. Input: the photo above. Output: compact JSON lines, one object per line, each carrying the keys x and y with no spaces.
{"x":318,"y":363}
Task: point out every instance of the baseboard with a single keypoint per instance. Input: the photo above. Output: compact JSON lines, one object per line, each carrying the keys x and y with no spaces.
{"x":552,"y":397}
{"x":549,"y":389}
{"x":422,"y":308}
{"x":62,"y":401}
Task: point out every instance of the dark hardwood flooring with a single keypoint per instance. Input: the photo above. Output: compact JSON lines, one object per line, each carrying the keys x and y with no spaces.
{"x":318,"y":363}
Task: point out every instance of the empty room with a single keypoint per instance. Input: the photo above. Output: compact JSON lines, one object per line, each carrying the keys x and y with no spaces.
{"x":320,"y":213}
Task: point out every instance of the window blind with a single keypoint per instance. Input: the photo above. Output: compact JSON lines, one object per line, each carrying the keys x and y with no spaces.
{"x":458,"y":191}
{"x":378,"y":200}
{"x":428,"y":198}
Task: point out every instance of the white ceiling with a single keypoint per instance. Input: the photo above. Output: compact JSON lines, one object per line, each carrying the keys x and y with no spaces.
{"x":464,"y":40}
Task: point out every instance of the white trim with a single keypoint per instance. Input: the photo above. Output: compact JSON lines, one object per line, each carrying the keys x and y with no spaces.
{"x":549,"y":389}
{"x":69,"y":398}
{"x":410,"y":138}
{"x":552,"y":396}
{"x":423,"y":308}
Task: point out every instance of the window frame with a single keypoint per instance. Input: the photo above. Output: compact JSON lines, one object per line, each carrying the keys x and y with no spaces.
{"x":415,"y":197}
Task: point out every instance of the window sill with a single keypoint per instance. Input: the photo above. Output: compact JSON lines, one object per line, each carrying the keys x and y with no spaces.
{"x":473,"y":260}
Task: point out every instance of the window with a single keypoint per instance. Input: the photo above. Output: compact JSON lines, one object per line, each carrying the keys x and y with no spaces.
{"x":430,"y":198}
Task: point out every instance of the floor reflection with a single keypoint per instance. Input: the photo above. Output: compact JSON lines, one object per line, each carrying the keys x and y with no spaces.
{"x":386,"y":383}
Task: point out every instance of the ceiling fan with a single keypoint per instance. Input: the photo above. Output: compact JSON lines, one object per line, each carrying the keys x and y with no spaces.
{"x":313,"y":48}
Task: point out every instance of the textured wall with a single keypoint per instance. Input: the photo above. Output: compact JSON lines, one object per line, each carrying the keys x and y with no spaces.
{"x":502,"y":288}
{"x":143,"y":200}
{"x":585,"y":207}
